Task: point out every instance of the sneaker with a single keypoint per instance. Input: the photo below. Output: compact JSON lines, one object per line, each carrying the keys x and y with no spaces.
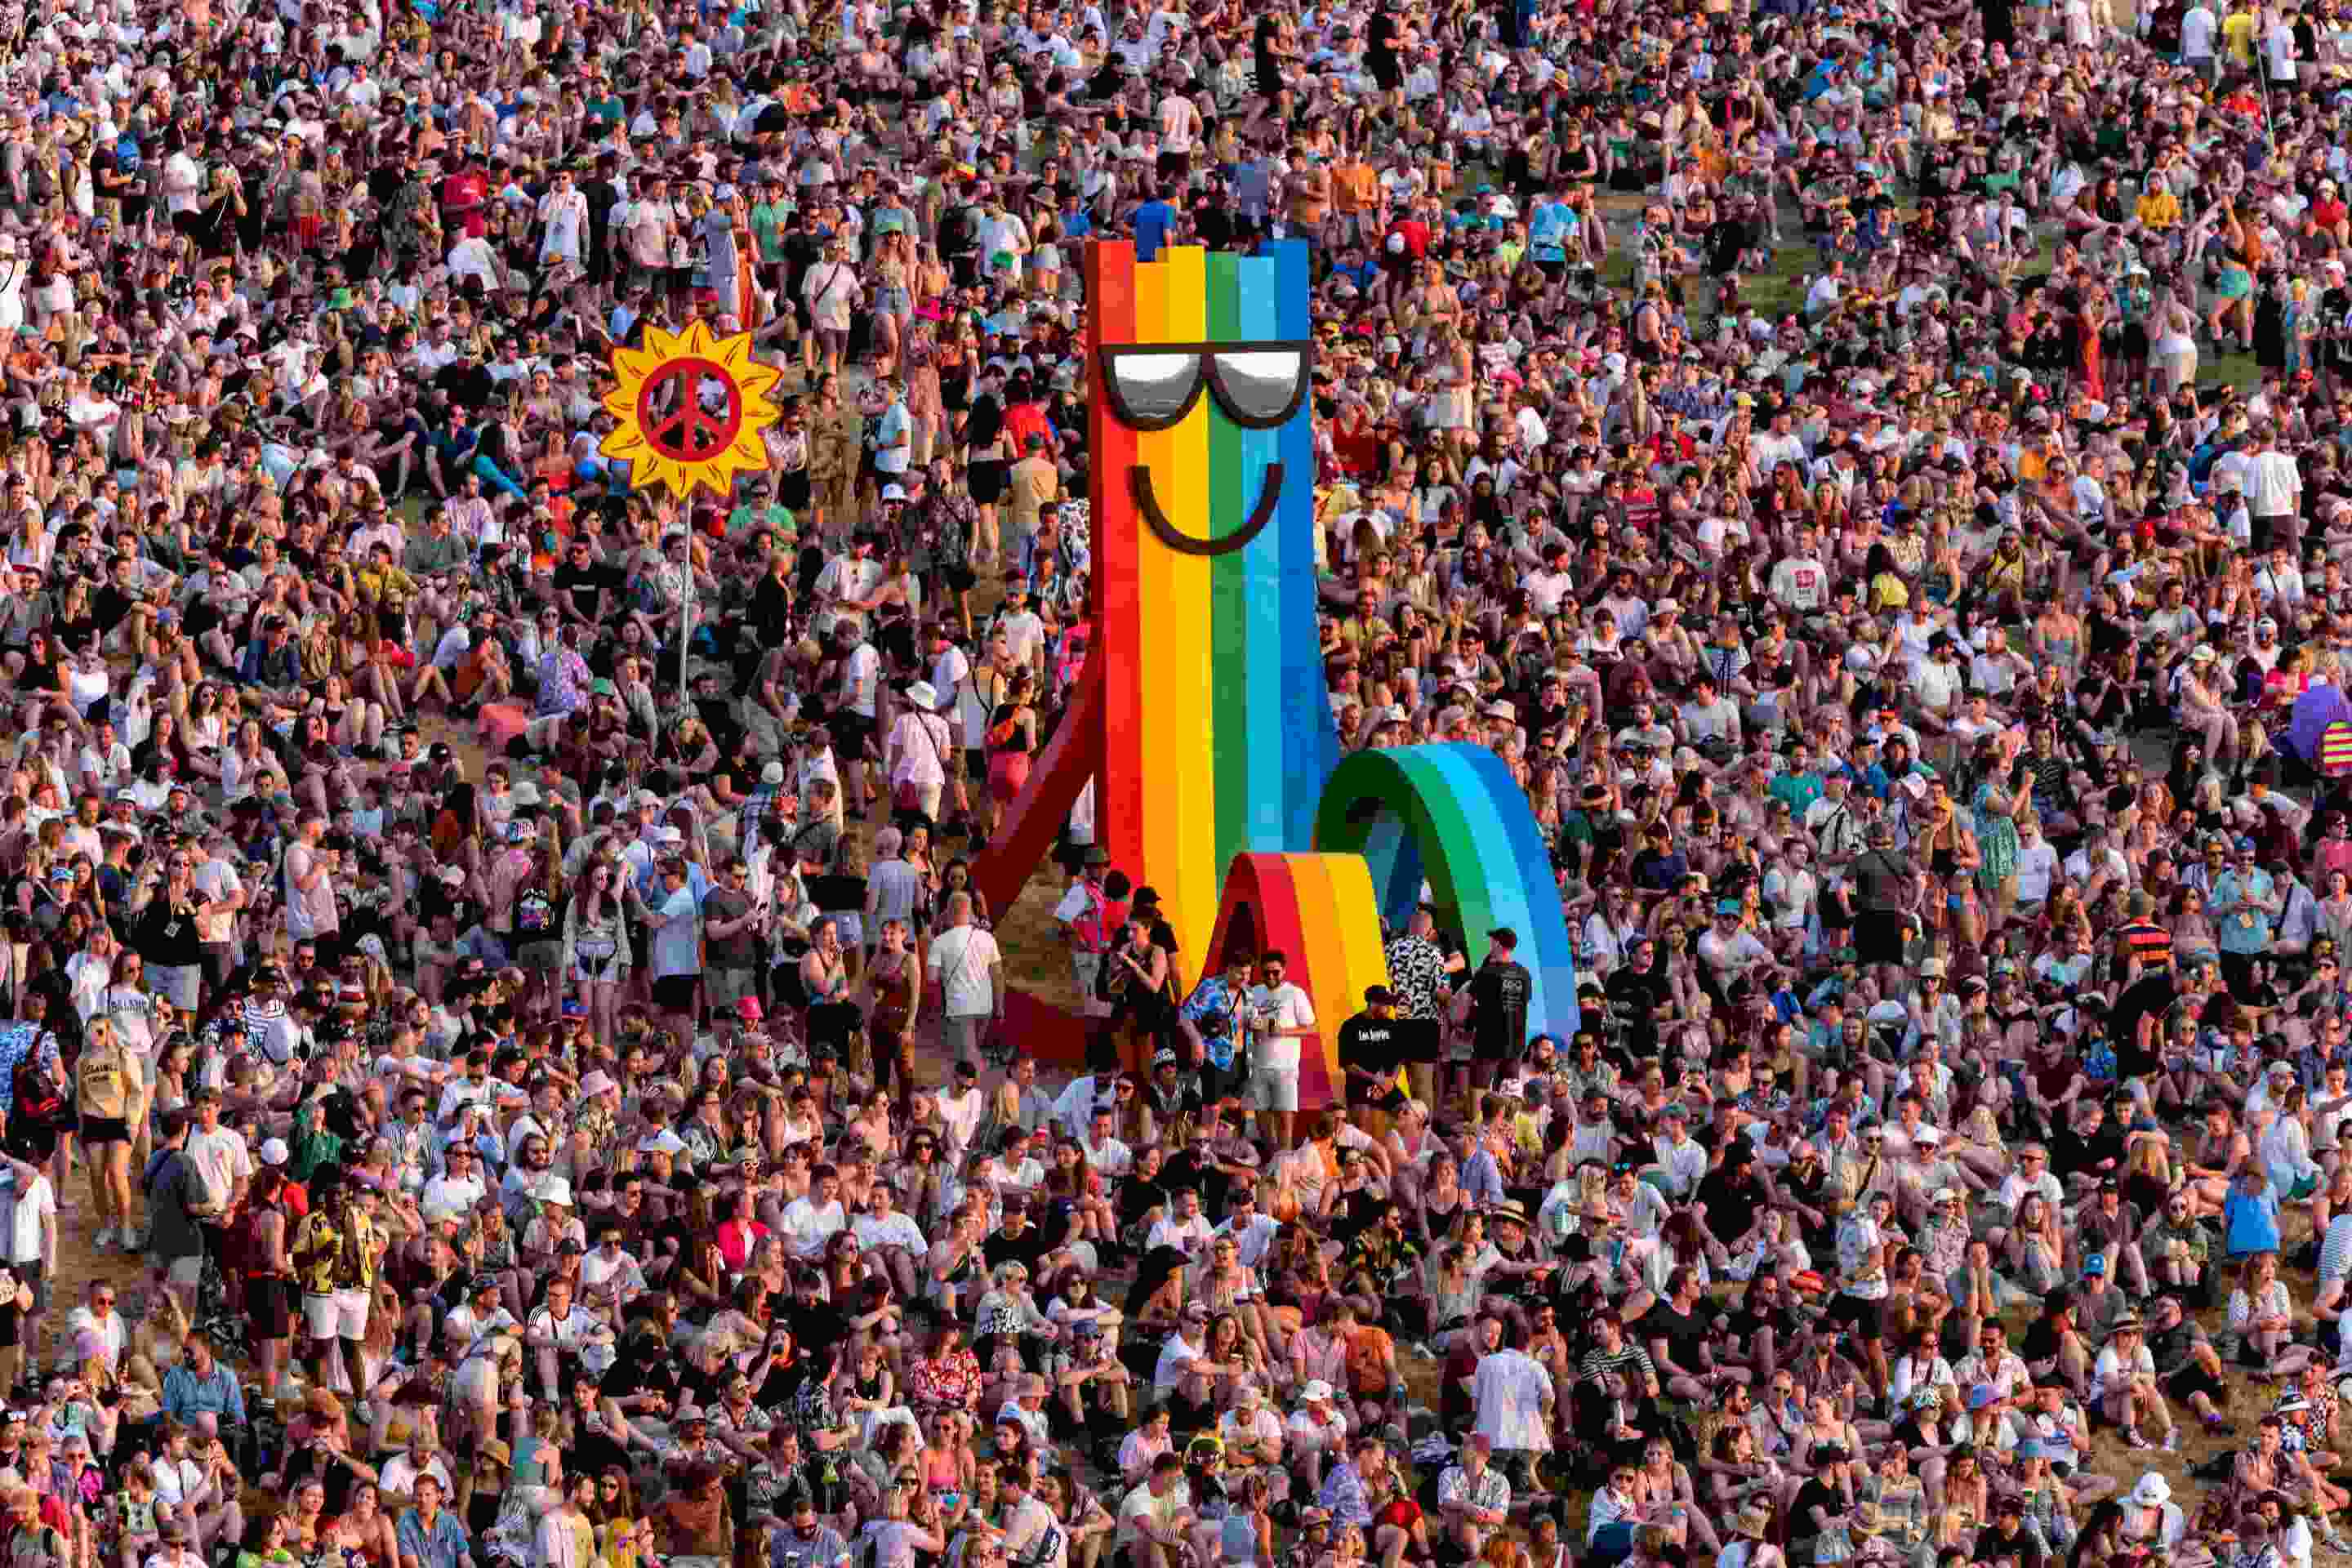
{"x":104,"y":1240}
{"x":2172,"y":1441}
{"x":2132,"y":1437}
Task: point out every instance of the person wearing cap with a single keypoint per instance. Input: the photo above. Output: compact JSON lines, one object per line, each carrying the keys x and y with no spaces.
{"x":1087,"y":918}
{"x":2122,"y":1384}
{"x":1501,"y":992}
{"x":1371,"y":1047}
{"x":1280,"y":1015}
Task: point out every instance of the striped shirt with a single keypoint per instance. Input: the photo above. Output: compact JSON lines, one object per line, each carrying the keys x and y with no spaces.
{"x":1597,"y":1364}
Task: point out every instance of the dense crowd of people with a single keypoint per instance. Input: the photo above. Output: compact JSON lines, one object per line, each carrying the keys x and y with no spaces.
{"x":500,"y":941}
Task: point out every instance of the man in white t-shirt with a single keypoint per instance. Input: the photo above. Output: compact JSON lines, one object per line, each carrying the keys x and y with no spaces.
{"x":1280,"y":1015}
{"x":1104,"y":1151}
{"x":1154,"y":1518}
{"x":219,"y":1153}
{"x":861,"y":682}
{"x":1184,"y":1227}
{"x":29,"y":1205}
{"x":966,"y":971}
{"x":2198,"y":26}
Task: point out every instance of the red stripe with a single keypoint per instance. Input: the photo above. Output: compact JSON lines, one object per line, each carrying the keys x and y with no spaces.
{"x":1116,"y":531}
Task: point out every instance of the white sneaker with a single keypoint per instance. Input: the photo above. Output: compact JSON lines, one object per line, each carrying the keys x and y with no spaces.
{"x":103,"y":1239}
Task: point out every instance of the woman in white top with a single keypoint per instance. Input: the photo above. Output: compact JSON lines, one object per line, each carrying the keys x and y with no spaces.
{"x":2122,"y":1380}
{"x":2262,"y":1315}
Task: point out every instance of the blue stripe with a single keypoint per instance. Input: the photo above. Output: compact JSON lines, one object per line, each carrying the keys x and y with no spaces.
{"x":1306,"y":700}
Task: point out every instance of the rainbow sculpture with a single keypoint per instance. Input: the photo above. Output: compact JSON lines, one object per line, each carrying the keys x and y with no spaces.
{"x":1203,"y":712}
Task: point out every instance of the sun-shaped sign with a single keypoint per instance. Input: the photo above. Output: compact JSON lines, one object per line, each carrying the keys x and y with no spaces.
{"x":690,"y":407}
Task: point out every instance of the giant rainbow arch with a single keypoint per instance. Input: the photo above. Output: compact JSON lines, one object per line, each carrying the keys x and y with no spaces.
{"x":1203,"y":712}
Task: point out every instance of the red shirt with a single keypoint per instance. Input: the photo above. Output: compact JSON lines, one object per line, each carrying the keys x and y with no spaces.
{"x":1416,"y":237}
{"x":463,"y":194}
{"x":737,"y":1238}
{"x":1023,"y":420}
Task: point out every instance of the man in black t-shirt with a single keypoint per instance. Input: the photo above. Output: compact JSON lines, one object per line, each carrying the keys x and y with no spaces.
{"x":581,"y":584}
{"x":2147,"y":999}
{"x":1369,"y":1046}
{"x":1499,"y":995}
{"x":1677,"y":1330}
{"x":1637,"y":996}
{"x":1819,"y":1499}
{"x":1017,"y":1241}
{"x":817,"y":1323}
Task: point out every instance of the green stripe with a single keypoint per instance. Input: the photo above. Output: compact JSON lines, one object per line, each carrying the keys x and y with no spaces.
{"x":1229,"y":617}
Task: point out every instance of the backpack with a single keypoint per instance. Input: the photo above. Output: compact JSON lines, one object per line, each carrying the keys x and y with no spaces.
{"x":534,"y":912}
{"x":241,"y":1241}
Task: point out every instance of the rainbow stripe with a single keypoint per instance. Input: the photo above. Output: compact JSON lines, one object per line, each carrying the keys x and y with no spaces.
{"x":1458,"y":808}
{"x":1319,"y":909}
{"x":1218,"y":731}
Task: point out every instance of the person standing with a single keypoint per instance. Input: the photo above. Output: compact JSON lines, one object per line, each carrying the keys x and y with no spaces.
{"x":1499,"y":994}
{"x":965,"y":971}
{"x":310,"y":914}
{"x":1514,"y":1397}
{"x":2273,"y":495}
{"x":1280,"y":1015}
{"x":1373,"y":1036}
{"x":1884,"y":882}
{"x":335,"y":1253}
{"x":1087,"y":915}
{"x":111,"y":1083}
{"x":224,"y":1166}
{"x":1862,"y":1284}
{"x":28,"y":1220}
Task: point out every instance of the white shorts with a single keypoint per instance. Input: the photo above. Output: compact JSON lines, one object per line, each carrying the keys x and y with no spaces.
{"x":1275,"y":1089}
{"x":341,"y":1315}
{"x":187,"y":1273}
{"x":477,"y":1379}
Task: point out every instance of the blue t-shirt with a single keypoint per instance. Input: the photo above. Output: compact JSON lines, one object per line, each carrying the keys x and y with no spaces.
{"x":1153,"y":219}
{"x":1549,"y":226}
{"x":2251,"y":1225}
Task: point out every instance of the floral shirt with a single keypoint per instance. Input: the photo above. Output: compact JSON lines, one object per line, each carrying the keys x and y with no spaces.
{"x":562,"y":680}
{"x":1416,"y":971}
{"x":949,"y":1379}
{"x":813,"y":1407}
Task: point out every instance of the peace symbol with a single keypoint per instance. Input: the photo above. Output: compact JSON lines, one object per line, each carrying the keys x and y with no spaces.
{"x":684,"y":429}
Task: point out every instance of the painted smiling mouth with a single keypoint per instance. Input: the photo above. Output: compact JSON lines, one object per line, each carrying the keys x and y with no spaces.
{"x":1146,"y":501}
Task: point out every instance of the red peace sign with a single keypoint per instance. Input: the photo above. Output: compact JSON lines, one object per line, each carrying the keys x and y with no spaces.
{"x":670,"y":410}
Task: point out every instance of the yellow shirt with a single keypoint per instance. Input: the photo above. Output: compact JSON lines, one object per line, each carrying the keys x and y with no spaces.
{"x":2158,"y":207}
{"x":2238,"y":38}
{"x":334,"y":1252}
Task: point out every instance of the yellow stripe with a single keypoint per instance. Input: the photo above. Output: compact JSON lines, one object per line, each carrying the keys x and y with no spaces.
{"x":1176,"y":627}
{"x":1355,"y":914}
{"x":1341,"y":927}
{"x":1160,"y":716}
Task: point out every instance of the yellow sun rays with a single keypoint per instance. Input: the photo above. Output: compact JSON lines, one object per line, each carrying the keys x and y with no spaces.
{"x":709,"y":402}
